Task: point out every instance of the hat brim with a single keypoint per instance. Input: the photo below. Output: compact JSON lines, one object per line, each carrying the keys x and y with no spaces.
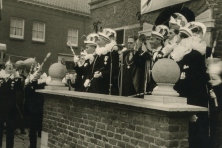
{"x":157,"y":34}
{"x":104,"y":37}
{"x":204,"y":29}
{"x":186,"y":31}
{"x":90,"y":43}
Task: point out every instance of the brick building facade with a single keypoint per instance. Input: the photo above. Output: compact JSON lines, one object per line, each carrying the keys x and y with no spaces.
{"x":122,"y":16}
{"x":57,"y":21}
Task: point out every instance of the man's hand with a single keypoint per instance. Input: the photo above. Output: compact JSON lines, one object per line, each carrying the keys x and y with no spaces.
{"x":193,"y":118}
{"x":75,"y":58}
{"x":97,"y":74}
{"x":86,"y":83}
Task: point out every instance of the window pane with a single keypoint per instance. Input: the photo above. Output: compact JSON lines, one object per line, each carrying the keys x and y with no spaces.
{"x":19,"y":23}
{"x":69,"y":32}
{"x":74,"y":40}
{"x":12,"y":30}
{"x":69,"y":39}
{"x":40,"y":35}
{"x":41,"y":27}
{"x":18,"y":32}
{"x":73,"y":36}
{"x":74,"y":33}
{"x":34,"y":35}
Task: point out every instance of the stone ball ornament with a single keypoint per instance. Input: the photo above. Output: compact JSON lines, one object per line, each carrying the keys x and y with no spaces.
{"x":165,"y":73}
{"x":57,"y":72}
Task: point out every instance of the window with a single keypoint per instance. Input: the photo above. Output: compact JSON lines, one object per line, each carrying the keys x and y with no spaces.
{"x":38,"y":31}
{"x":17,"y":28}
{"x":73,"y":36}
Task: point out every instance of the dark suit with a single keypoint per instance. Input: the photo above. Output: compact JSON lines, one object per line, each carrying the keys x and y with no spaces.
{"x":33,"y":110}
{"x":8,"y":108}
{"x":104,"y":63}
{"x":82,"y":72}
{"x":192,"y":85}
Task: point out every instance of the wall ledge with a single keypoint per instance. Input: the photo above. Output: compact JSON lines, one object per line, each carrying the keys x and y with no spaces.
{"x":135,"y":102}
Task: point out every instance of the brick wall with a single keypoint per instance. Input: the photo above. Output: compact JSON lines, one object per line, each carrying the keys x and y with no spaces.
{"x":217,"y":7}
{"x":126,"y":10}
{"x":57,"y":24}
{"x":73,"y":122}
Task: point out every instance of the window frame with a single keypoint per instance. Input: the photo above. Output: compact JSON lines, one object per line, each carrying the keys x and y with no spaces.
{"x":23,"y":28}
{"x":38,"y":39}
{"x":77,"y":36}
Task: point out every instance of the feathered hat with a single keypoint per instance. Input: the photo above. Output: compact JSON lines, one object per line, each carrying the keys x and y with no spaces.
{"x":110,"y":32}
{"x":104,"y":35}
{"x":160,"y":31}
{"x":197,"y":27}
{"x":91,"y":39}
{"x":177,"y":20}
{"x":19,"y":64}
{"x":186,"y":31}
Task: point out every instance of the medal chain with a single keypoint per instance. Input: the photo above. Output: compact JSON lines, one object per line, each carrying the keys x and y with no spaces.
{"x":128,"y":64}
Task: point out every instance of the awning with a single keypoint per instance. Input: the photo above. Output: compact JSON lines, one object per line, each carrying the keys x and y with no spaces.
{"x":152,"y":5}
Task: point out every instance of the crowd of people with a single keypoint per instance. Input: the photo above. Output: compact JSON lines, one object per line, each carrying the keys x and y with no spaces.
{"x":105,"y":68}
{"x":130,"y":74}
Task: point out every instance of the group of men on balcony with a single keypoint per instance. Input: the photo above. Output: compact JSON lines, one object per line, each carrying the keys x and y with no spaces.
{"x":99,"y":71}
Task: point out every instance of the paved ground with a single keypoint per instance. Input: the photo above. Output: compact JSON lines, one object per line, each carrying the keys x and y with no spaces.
{"x":21,"y":141}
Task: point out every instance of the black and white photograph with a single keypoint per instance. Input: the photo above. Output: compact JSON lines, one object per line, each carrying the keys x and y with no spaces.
{"x":110,"y":73}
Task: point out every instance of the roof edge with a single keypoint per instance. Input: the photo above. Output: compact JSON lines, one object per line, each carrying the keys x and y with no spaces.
{"x":56,"y":8}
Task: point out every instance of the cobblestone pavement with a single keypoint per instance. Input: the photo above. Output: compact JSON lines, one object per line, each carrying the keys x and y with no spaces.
{"x":20,"y":141}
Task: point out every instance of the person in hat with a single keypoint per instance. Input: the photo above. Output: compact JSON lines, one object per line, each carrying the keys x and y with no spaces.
{"x":192,"y":85}
{"x":113,"y":53}
{"x":33,"y":105}
{"x":177,"y":21}
{"x":83,"y":63}
{"x":100,"y":78}
{"x":182,"y":47}
{"x":20,"y":97}
{"x":158,"y":36}
{"x":10,"y":83}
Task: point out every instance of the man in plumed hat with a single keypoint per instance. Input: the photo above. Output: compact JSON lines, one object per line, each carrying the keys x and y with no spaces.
{"x":101,"y":74}
{"x":10,"y":83}
{"x":83,"y":63}
{"x":158,"y":36}
{"x":177,"y":21}
{"x":192,"y":85}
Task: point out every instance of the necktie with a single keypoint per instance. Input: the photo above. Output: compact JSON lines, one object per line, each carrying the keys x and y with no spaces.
{"x":130,"y":56}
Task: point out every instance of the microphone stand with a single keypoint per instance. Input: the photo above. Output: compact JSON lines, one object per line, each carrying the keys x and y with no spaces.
{"x":111,"y":71}
{"x":121,"y":75}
